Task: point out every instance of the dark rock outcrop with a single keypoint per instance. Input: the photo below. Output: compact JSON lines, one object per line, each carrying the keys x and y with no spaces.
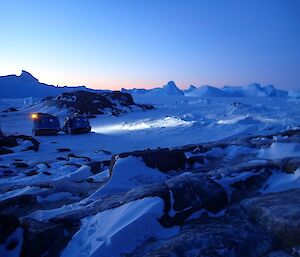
{"x":12,"y":141}
{"x":250,"y":186}
{"x":62,"y":150}
{"x":20,"y":164}
{"x":45,"y":238}
{"x":162,"y":159}
{"x":84,"y":158}
{"x":8,"y":224}
{"x":214,"y":238}
{"x":97,"y":167}
{"x":182,"y":195}
{"x":4,"y":150}
{"x":191,"y":192}
{"x":10,"y":109}
{"x":289,"y":165}
{"x":19,"y":201}
{"x":86,"y":102}
{"x":279,"y":214}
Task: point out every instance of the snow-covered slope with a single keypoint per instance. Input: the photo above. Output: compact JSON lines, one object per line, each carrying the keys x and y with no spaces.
{"x":206,"y":91}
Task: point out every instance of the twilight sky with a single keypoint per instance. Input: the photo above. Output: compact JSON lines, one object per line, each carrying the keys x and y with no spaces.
{"x":145,"y":43}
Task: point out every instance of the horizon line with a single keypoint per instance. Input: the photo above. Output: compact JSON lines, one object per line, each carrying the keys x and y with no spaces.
{"x":151,"y":87}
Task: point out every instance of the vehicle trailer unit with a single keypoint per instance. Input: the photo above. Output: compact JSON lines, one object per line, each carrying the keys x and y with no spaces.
{"x":76,"y":125}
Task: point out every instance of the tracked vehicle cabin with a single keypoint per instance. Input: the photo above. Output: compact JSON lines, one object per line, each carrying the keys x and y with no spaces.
{"x":45,"y":124}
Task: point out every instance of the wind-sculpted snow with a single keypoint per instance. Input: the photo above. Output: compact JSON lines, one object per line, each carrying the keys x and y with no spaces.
{"x":117,"y":231}
{"x":128,"y":173}
{"x":279,"y":182}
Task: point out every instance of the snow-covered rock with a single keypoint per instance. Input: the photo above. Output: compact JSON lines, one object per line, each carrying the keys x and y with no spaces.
{"x":128,"y":173}
{"x":85,"y":102}
{"x":213,"y":237}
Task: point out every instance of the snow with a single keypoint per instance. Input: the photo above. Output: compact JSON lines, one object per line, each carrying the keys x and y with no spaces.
{"x":119,"y":230}
{"x":101,"y":176}
{"x":198,"y":214}
{"x":21,"y":191}
{"x":226,"y":181}
{"x":82,"y":173}
{"x":128,"y":173}
{"x":190,"y":89}
{"x":167,"y":122}
{"x":206,"y":91}
{"x":176,"y":120}
{"x":251,"y":90}
{"x":235,"y":152}
{"x":254,"y":90}
{"x":45,"y":215}
{"x":279,"y":150}
{"x":295,"y":100}
{"x":280,"y":181}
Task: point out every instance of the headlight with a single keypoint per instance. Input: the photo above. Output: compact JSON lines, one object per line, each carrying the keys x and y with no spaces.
{"x":34,"y":116}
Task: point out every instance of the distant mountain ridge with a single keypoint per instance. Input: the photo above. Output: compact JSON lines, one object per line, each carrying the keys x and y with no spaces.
{"x":252,"y":90}
{"x":169,"y":89}
{"x":26,"y":85}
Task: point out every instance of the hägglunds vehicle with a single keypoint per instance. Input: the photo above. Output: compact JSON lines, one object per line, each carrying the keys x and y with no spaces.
{"x":45,"y":124}
{"x":76,"y":124}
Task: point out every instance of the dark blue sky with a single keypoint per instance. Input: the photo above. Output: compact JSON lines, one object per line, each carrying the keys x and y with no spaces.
{"x":139,"y":43}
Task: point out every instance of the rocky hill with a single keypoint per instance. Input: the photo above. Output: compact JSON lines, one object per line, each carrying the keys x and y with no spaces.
{"x":85,"y":102}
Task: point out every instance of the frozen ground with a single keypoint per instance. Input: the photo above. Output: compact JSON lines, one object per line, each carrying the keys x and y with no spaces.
{"x":66,"y":183}
{"x":176,"y":120}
